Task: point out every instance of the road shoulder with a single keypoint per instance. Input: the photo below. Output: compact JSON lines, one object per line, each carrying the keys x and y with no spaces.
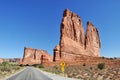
{"x":56,"y":77}
{"x":14,"y":74}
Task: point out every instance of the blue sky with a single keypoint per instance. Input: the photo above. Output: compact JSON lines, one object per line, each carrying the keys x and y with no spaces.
{"x":36,"y":24}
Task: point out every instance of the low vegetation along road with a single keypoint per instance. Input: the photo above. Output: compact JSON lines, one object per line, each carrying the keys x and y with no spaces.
{"x":30,"y":73}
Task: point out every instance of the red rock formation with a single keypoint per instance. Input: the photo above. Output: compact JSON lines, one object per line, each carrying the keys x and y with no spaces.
{"x":92,"y":40}
{"x":34,"y":56}
{"x":72,"y":36}
{"x":73,"y":42}
{"x":71,"y":27}
{"x":1,"y":60}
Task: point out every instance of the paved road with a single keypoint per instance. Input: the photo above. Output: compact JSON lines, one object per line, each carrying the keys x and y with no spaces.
{"x":30,"y":73}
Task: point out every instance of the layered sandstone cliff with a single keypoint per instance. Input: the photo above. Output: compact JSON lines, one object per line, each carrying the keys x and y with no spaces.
{"x":73,"y":41}
{"x":33,"y":56}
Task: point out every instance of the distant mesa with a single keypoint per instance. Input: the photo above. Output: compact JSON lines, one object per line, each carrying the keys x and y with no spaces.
{"x":16,"y":60}
{"x":34,"y":56}
{"x":73,"y":41}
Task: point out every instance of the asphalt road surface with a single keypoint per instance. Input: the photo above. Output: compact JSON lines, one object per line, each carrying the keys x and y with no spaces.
{"x":30,"y":73}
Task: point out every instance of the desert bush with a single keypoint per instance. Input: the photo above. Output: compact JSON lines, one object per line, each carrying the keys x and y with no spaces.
{"x":103,"y":57}
{"x":35,"y":65}
{"x":38,"y":65}
{"x":27,"y":65}
{"x":101,"y":66}
{"x":55,"y":67}
{"x":91,"y":67}
{"x":15,"y":67}
{"x":56,"y":70}
{"x":84,"y":64}
{"x":21,"y":65}
{"x":41,"y":66}
{"x":111,"y":58}
{"x":5,"y":66}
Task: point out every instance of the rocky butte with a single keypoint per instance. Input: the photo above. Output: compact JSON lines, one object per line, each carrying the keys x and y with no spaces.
{"x":34,"y":56}
{"x":73,"y":40}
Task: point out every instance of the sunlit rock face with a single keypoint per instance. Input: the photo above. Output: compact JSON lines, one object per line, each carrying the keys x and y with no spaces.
{"x":73,"y":41}
{"x":33,"y":56}
{"x":92,"y":40}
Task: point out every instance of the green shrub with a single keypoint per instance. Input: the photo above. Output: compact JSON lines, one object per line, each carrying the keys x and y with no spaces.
{"x":111,"y":58}
{"x":5,"y":63}
{"x":103,"y":57}
{"x":91,"y":67}
{"x":101,"y":66}
{"x":56,"y":70}
{"x":16,"y":67}
{"x":35,"y":65}
{"x":21,"y":65}
{"x":38,"y":65}
{"x":27,"y":65}
{"x":55,"y":67}
{"x":5,"y":66}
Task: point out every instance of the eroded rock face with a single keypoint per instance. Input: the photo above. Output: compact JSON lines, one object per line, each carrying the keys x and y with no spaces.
{"x":34,"y":56}
{"x":73,"y":41}
{"x":92,"y":40}
{"x":71,"y":27}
